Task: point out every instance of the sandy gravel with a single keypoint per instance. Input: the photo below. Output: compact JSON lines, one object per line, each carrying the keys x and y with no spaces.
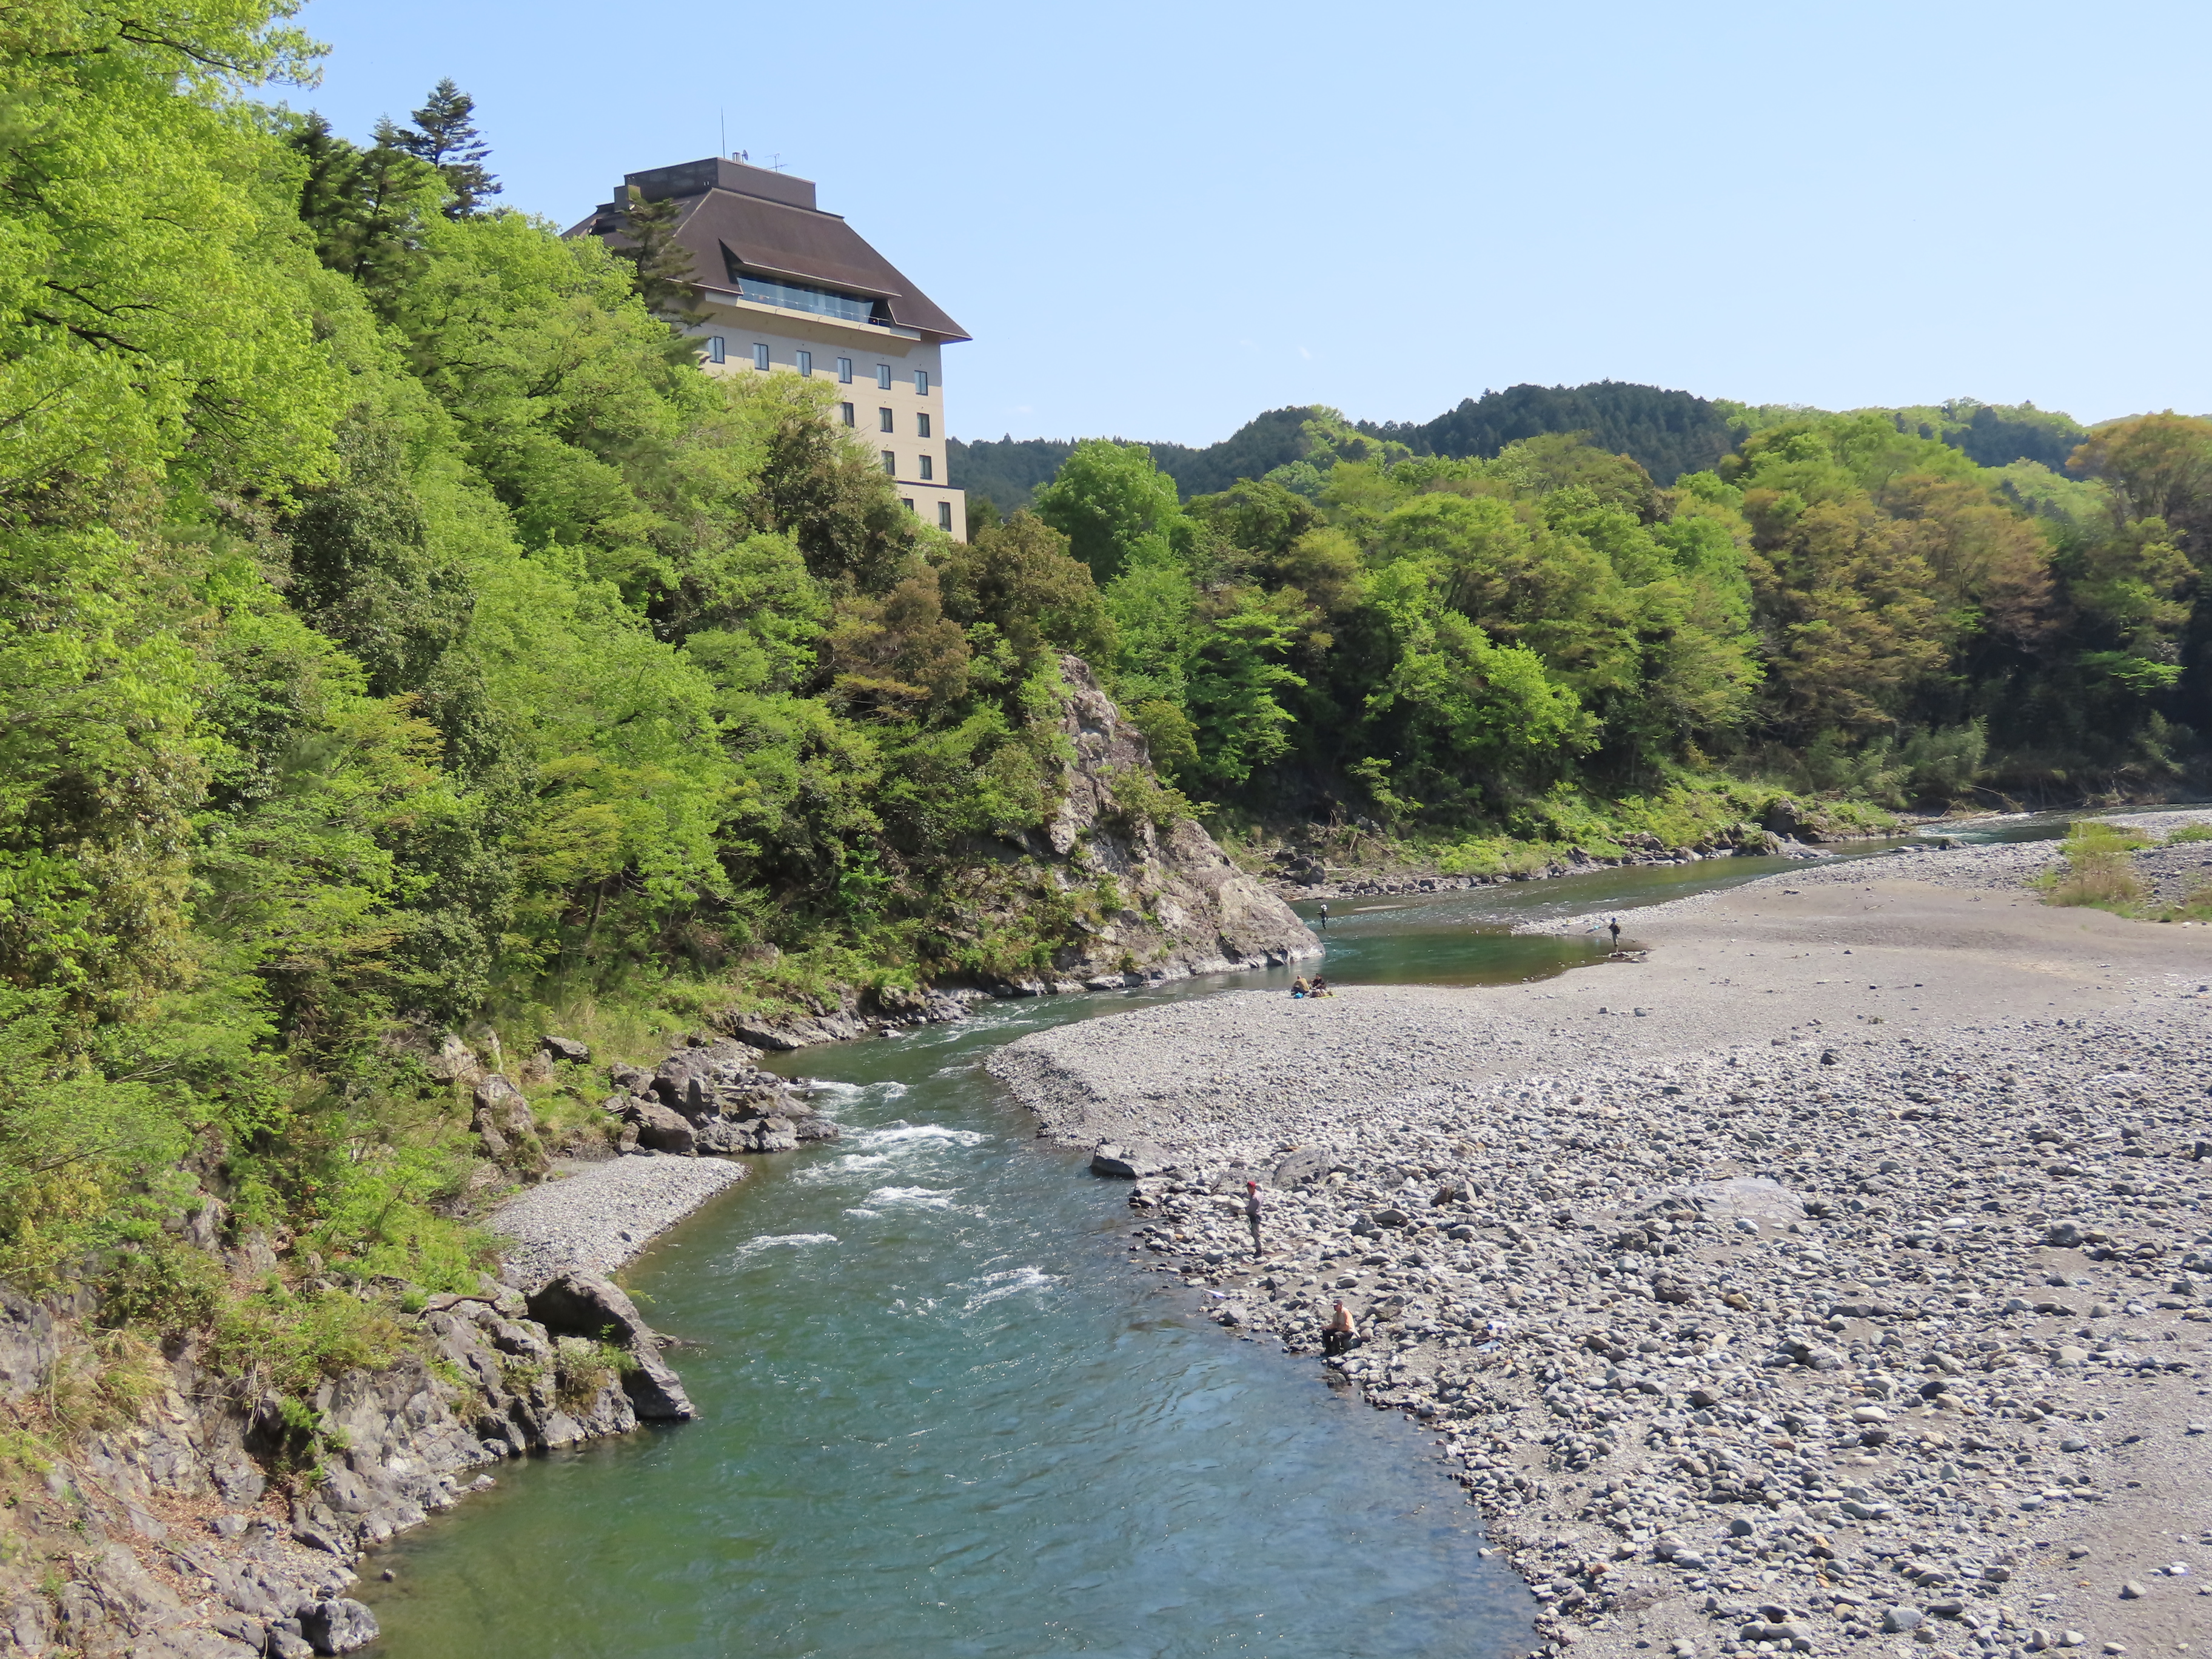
{"x":1833,"y":1280}
{"x":595,"y":1218}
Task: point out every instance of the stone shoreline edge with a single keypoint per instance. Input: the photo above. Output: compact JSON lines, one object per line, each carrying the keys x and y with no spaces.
{"x":1755,"y":1408}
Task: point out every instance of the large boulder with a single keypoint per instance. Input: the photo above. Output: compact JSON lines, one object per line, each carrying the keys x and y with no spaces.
{"x":663,"y":1130}
{"x":1132,"y":1161}
{"x":337,"y":1626}
{"x":587,"y":1305}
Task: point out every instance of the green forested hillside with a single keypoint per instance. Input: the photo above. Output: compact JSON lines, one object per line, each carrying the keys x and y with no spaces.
{"x":1840,"y":604}
{"x":403,"y":633}
{"x":1665,"y":432}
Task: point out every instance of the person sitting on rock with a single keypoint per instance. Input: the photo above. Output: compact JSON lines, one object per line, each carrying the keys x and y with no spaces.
{"x":1339,"y":1332}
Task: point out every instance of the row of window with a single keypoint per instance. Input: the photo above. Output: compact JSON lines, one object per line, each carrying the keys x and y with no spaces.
{"x":927,"y":465}
{"x":885,"y":421}
{"x":718,"y":352}
{"x":943,"y":511}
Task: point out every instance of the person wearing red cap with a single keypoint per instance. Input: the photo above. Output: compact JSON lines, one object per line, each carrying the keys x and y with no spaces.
{"x":1252,"y":1214}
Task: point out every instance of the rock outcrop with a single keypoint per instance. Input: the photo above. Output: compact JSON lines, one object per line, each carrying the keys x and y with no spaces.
{"x":1184,"y":908}
{"x":189,"y":1538}
{"x":711,"y":1097}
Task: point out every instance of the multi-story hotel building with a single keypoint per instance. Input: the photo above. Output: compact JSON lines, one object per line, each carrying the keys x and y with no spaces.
{"x":789,"y":289}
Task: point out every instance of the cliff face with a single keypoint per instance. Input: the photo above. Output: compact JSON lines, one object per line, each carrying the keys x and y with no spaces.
{"x":211,"y":1527}
{"x":1182,"y":907}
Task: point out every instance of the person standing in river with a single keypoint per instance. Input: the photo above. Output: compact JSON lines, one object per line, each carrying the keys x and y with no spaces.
{"x":1613,"y":926}
{"x":1252,"y":1214}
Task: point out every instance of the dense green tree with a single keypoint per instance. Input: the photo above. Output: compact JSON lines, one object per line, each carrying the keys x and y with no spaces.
{"x":445,"y":135}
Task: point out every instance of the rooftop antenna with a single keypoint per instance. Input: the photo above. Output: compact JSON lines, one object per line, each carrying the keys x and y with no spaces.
{"x":775,"y":163}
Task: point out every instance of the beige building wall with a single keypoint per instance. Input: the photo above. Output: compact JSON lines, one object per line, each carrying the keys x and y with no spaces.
{"x":744,"y":327}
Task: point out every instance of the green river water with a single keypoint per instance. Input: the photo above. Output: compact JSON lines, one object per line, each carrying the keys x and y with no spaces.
{"x":943,"y":1415}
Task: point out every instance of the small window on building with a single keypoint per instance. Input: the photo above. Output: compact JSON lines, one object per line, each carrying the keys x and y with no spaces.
{"x":884,"y":423}
{"x":713,"y":348}
{"x":845,"y":373}
{"x":944,"y":516}
{"x":921,"y":425}
{"x":884,"y":376}
{"x":891,"y":463}
{"x":760,"y":354}
{"x":806,"y":361}
{"x":844,"y":413}
{"x":906,"y":501}
{"x":928,"y":468}
{"x":921,"y":381}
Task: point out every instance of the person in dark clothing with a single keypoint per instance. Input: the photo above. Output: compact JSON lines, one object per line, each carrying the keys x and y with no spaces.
{"x":1613,"y":926}
{"x":1339,"y":1332}
{"x":1324,"y":915}
{"x":1252,"y":1214}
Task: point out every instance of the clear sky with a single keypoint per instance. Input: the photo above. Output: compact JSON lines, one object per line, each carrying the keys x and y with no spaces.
{"x":1158,"y":220}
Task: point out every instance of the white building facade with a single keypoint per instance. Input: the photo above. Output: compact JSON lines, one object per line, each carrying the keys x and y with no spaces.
{"x":789,"y":289}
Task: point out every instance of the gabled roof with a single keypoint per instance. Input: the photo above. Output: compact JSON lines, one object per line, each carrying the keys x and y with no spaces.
{"x":739,"y":219}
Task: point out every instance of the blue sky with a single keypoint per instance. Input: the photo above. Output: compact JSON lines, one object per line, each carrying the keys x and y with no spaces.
{"x":1160,"y":220}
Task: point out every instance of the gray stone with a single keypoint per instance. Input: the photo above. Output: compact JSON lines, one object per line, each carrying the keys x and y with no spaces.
{"x":584,"y":1305}
{"x":337,"y":1626}
{"x":566,"y":1049}
{"x":1898,"y":1620}
{"x":1134,"y":1162}
{"x":27,"y":1344}
{"x":663,"y":1129}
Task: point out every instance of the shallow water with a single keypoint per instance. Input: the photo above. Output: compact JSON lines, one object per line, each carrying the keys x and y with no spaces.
{"x":943,"y":1410}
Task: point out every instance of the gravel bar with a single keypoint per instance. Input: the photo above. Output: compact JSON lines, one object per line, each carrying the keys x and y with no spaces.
{"x":1832,"y":1280}
{"x":595,"y":1218}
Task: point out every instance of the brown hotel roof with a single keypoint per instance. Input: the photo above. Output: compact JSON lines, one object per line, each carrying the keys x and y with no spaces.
{"x":740,"y":219}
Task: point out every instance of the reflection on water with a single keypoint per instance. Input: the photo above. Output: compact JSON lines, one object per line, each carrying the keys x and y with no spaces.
{"x":943,"y":1413}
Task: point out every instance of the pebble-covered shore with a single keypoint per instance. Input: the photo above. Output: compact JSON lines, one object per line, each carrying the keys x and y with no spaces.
{"x":1758,"y":1312}
{"x":595,"y":1218}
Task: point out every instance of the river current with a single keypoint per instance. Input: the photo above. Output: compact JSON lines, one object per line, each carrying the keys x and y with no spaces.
{"x":943,"y":1413}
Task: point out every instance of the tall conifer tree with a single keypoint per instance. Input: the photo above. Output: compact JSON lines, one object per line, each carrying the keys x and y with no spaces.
{"x":445,"y":135}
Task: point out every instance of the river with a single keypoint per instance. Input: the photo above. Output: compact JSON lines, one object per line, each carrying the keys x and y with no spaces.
{"x":944,"y":1412}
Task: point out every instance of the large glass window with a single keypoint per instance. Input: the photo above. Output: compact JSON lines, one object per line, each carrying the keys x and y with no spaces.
{"x":891,"y":463}
{"x":845,"y":413}
{"x":760,"y":353}
{"x":928,"y":468}
{"x":883,"y":421}
{"x":806,"y":361}
{"x":844,"y":371}
{"x":944,"y":516}
{"x":884,"y":376}
{"x":921,"y":381}
{"x":798,"y":296}
{"x":921,"y":424}
{"x":713,"y":348}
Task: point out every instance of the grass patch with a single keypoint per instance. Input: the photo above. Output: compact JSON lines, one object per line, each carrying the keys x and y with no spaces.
{"x":2095,"y":871}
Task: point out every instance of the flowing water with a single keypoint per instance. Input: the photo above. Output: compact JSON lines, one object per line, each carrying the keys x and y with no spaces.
{"x":943,"y":1412}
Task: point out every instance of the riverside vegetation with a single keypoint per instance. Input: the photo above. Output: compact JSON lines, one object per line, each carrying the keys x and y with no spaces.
{"x":404,"y":636}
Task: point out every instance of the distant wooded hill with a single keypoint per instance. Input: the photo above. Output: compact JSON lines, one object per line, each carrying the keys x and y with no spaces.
{"x":1667,"y":433}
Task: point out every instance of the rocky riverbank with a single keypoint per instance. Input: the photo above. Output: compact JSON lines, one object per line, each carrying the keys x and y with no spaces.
{"x":1832,"y":1281}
